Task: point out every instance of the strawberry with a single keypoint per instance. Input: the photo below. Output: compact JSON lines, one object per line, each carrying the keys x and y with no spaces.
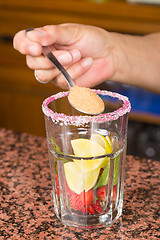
{"x":57,"y":185}
{"x":97,"y":207}
{"x":87,"y":197}
{"x":76,"y":203}
{"x":90,"y":209}
{"x":114,"y":192}
{"x":101,"y":193}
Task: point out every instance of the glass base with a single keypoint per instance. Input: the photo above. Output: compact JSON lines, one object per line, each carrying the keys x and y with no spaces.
{"x":84,"y":221}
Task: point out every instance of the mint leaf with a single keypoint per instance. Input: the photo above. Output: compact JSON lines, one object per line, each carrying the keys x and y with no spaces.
{"x":116,"y":170}
{"x":55,"y":146}
{"x":69,"y":205}
{"x":56,"y":149}
{"x":95,"y":199}
{"x":104,"y":176}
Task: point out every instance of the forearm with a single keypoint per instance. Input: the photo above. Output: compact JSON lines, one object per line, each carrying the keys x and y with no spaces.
{"x":138,"y":60}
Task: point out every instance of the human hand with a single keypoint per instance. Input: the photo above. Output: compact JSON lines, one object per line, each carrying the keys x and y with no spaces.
{"x":88,"y":53}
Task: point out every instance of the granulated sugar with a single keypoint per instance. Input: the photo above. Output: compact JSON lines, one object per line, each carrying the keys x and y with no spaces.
{"x":85,"y":100}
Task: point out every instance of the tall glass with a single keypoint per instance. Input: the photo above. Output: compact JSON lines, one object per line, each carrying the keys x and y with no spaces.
{"x":87,"y":157}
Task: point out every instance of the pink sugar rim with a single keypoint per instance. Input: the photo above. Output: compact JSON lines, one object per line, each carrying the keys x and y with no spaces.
{"x":79,"y":120}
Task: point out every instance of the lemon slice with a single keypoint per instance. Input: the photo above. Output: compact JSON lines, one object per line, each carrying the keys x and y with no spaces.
{"x":87,"y":148}
{"x":74,"y":178}
{"x":90,"y":178}
{"x":105,"y":142}
{"x":77,"y":180}
{"x":109,"y":140}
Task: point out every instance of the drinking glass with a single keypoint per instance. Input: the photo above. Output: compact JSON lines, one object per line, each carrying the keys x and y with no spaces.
{"x":87,"y":158}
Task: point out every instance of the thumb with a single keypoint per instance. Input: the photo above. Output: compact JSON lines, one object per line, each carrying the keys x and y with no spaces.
{"x":64,"y":34}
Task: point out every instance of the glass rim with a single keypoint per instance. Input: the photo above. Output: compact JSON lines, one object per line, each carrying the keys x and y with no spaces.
{"x":81,"y":120}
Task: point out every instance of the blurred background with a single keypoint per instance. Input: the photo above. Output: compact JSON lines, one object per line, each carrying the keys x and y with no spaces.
{"x":21,"y":95}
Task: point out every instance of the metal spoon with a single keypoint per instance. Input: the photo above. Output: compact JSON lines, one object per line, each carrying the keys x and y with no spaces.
{"x":47,"y":53}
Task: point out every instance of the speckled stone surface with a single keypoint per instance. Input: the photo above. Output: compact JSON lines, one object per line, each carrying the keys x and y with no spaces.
{"x":26,"y":207}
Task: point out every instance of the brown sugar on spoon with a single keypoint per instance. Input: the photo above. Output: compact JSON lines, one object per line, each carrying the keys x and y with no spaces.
{"x":85,"y":100}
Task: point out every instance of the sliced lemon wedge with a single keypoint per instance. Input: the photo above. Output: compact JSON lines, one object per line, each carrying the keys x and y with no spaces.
{"x":83,"y":174}
{"x":97,"y":146}
{"x":105,"y":142}
{"x":109,"y":140}
{"x":90,"y":178}
{"x":77,"y":180}
{"x":87,"y":148}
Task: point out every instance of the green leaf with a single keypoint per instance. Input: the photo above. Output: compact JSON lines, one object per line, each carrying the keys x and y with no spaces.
{"x":95,"y":199}
{"x":104,"y":176}
{"x":116,"y":170}
{"x":56,"y":149}
{"x":69,"y":205}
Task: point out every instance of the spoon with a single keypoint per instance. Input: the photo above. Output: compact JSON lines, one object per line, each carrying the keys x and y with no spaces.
{"x":47,"y":53}
{"x":88,"y":94}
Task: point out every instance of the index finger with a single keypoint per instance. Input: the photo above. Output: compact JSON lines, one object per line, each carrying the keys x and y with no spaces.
{"x":25,"y":46}
{"x":63,"y":34}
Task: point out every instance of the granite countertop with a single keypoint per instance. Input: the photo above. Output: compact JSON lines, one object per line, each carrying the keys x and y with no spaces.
{"x":26,"y":207}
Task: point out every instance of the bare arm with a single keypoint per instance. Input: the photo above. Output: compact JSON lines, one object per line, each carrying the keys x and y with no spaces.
{"x":139,"y":61}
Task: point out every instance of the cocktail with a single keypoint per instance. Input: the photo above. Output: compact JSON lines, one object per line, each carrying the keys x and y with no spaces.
{"x":87,"y":156}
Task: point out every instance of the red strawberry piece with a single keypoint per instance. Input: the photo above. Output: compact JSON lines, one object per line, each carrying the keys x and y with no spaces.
{"x":76,"y":203}
{"x":97,"y":207}
{"x":101,"y":193}
{"x":90,"y":209}
{"x":114,"y":192}
{"x":57,"y":185}
{"x":87,"y":197}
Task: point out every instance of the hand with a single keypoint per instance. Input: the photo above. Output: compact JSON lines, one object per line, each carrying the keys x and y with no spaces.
{"x":88,"y":53}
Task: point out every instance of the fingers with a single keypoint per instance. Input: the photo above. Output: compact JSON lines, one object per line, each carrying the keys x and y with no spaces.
{"x":25,"y":46}
{"x":75,"y":70}
{"x":45,"y":70}
{"x":64,"y":57}
{"x":55,"y":34}
{"x":73,"y":44}
{"x":29,"y":43}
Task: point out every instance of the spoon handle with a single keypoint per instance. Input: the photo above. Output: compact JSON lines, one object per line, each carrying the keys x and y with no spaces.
{"x":47,"y":53}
